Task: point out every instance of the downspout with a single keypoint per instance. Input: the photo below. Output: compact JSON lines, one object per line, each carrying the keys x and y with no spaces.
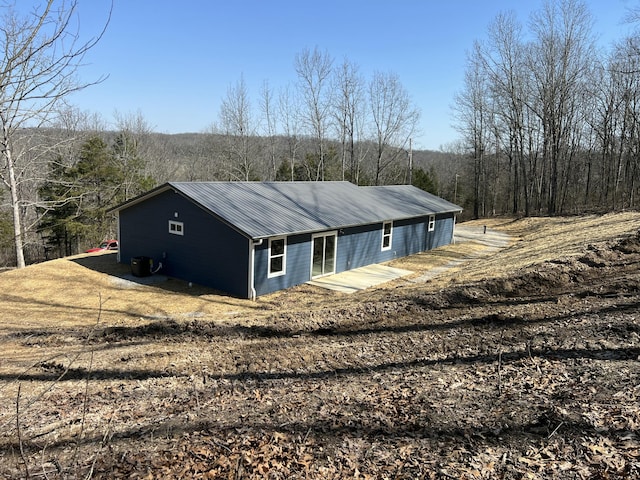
{"x":453,"y":230}
{"x":252,"y":256}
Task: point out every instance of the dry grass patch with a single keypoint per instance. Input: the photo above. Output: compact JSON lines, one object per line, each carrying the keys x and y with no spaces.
{"x":72,"y":292}
{"x":534,"y":241}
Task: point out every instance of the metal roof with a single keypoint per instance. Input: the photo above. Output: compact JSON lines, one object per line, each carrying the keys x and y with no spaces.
{"x":268,"y":209}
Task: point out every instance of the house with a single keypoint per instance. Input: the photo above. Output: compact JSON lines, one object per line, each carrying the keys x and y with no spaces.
{"x":253,"y":238}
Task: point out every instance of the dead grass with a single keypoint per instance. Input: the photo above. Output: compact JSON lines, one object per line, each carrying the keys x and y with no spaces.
{"x":534,"y":240}
{"x":70,"y":292}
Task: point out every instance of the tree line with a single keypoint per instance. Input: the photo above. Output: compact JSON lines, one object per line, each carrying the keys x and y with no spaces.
{"x":63,"y":170}
{"x":89,"y":169}
{"x":550,"y":122}
{"x":336,"y":124}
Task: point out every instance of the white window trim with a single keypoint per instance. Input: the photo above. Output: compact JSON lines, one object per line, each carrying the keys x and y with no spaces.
{"x":432,"y":223}
{"x":178,"y":227}
{"x":390,"y":235}
{"x":271,"y":274}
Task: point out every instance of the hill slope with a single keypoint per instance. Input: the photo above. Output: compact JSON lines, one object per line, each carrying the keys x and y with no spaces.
{"x":520,"y":363}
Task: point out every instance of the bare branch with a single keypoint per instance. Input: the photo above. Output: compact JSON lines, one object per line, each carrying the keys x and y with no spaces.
{"x":41,"y":54}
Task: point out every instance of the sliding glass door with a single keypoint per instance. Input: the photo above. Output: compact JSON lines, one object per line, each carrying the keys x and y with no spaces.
{"x":323,"y":255}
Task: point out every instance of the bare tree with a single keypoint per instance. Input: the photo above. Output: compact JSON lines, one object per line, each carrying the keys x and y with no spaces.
{"x":560,"y":62}
{"x":237,"y":124}
{"x":199,"y":157}
{"x":289,"y":114}
{"x":349,"y":115}
{"x":535,"y":104}
{"x":41,"y":54}
{"x":472,"y":109}
{"x":510,"y":90}
{"x":270,"y":127}
{"x":621,"y":124}
{"x":314,"y":70}
{"x":133,"y":150}
{"x":394,"y":119}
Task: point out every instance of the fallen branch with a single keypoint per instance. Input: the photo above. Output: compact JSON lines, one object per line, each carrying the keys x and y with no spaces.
{"x":22,"y":455}
{"x":531,"y":357}
{"x":500,"y":364}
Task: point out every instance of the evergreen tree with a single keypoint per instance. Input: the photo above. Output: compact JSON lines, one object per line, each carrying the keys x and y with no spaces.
{"x":59,"y":211}
{"x":425,"y":181}
{"x":132,"y":166}
{"x":77,"y":197}
{"x":98,"y":184}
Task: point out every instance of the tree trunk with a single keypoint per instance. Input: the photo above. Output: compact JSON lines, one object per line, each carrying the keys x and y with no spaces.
{"x":15,"y":207}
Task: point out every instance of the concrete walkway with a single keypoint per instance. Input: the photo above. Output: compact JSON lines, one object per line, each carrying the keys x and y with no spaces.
{"x":492,"y":239}
{"x":359,"y":278}
{"x":365,"y":277}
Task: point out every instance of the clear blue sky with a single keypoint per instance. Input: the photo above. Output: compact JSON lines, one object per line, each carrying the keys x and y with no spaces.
{"x":174,"y":61}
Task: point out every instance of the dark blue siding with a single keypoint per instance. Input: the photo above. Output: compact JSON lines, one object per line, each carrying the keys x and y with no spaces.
{"x":360,"y":246}
{"x":357,"y":247}
{"x":298,"y":265}
{"x":209,"y":253}
{"x":443,"y":233}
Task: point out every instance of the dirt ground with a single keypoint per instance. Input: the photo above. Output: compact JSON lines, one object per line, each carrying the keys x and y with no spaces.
{"x":518,"y":362}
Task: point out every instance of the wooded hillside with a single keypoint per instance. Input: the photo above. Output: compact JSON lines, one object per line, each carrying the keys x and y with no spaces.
{"x":550,"y":119}
{"x":69,"y":189}
{"x":549,"y":124}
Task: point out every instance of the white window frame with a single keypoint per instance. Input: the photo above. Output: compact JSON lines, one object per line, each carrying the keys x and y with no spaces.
{"x":270,"y":257}
{"x":432,"y":223}
{"x":176,"y":228}
{"x":387,"y":235}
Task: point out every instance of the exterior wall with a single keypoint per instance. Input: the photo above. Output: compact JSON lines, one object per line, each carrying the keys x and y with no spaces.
{"x":415,"y":237}
{"x":356,"y":247}
{"x":360,"y":246}
{"x":298,"y":265}
{"x":209,"y":253}
{"x":443,"y":233}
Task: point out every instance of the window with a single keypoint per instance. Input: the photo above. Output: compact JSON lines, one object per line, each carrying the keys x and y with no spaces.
{"x":432,"y":223}
{"x":177,"y":228}
{"x":386,"y":235}
{"x":277,"y":257}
